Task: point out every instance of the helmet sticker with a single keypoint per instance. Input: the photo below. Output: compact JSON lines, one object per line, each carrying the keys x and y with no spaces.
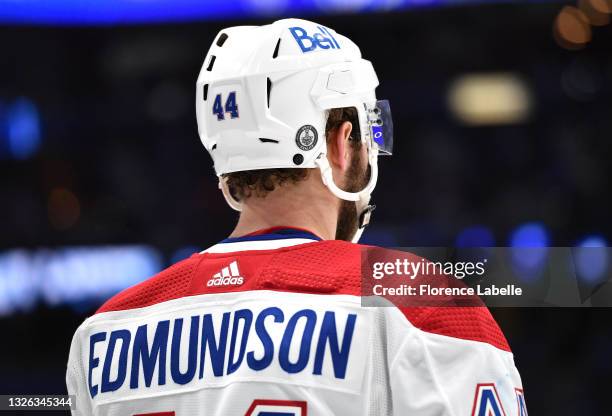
{"x":307,"y":43}
{"x":306,"y":137}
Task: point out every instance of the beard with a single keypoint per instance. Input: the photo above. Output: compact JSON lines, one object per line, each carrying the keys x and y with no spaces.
{"x":348,"y":217}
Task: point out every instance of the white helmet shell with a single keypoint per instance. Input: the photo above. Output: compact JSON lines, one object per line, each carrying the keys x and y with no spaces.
{"x":263,"y":92}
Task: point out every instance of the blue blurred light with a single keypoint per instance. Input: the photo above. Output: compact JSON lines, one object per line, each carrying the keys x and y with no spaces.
{"x":529,"y":250}
{"x":3,"y":138}
{"x":71,"y":276}
{"x":17,"y":287}
{"x":593,"y":241}
{"x":22,"y":124}
{"x":591,"y":258}
{"x":475,"y":236}
{"x":80,"y":12}
{"x":532,"y":234}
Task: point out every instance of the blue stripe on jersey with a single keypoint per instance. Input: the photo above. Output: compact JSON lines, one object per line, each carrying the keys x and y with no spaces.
{"x":280,"y":234}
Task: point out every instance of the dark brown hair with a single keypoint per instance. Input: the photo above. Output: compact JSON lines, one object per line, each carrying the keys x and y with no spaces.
{"x":260,"y":182}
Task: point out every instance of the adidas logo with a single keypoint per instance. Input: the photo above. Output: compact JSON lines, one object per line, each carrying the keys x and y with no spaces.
{"x":228,"y":276}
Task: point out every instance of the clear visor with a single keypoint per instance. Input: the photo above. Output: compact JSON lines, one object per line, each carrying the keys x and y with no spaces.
{"x":381,"y":126}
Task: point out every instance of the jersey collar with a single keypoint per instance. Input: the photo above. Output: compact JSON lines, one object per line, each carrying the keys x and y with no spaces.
{"x":267,"y":239}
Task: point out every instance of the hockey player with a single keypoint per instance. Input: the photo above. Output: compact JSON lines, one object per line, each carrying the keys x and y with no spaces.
{"x":269,"y":321}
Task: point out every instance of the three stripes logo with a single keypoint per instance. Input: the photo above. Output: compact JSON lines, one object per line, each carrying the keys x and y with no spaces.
{"x":228,"y":276}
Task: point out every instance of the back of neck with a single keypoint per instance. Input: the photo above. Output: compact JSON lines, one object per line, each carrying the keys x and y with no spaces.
{"x":288,"y":207}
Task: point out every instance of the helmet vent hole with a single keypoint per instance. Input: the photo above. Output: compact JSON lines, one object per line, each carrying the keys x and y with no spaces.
{"x":205,"y":92}
{"x":269,"y":91}
{"x":211,"y":62}
{"x":222,"y":38}
{"x":275,"y":54}
{"x":266,"y":140}
{"x":214,"y":146}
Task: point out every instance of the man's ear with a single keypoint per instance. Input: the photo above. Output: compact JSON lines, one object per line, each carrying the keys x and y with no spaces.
{"x":338,"y":146}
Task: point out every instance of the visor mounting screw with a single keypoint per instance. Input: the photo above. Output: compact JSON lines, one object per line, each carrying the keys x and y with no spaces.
{"x":298,"y":159}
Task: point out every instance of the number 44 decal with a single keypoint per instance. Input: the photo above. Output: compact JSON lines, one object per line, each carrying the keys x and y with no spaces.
{"x":230,"y":106}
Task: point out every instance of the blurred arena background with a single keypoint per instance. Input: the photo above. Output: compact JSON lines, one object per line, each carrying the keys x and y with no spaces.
{"x":503,"y":116}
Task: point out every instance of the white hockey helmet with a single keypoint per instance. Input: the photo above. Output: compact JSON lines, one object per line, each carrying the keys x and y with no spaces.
{"x":262,"y":97}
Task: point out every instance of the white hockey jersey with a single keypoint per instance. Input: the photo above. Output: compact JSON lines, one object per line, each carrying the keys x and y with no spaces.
{"x":271,"y":324}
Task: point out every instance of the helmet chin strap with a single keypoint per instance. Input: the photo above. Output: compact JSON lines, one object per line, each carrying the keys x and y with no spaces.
{"x":361,"y":198}
{"x":364,"y":210}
